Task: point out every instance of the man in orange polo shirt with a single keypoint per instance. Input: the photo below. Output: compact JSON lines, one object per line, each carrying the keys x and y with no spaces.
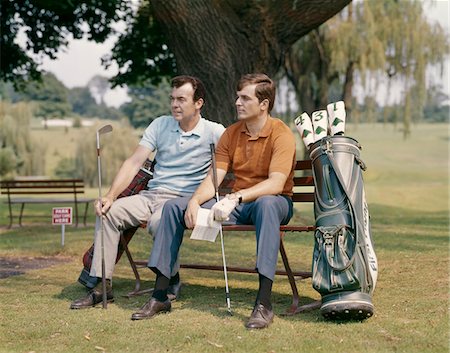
{"x":260,"y":150}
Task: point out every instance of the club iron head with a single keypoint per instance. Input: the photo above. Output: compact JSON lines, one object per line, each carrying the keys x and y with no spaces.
{"x":105,"y":129}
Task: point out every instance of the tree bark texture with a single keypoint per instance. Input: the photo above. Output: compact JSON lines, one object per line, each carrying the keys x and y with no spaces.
{"x":220,"y":40}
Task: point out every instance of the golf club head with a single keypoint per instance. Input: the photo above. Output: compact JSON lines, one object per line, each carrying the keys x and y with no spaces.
{"x":105,"y":129}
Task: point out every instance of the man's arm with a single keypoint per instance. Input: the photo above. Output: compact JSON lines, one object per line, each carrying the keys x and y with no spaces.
{"x":271,"y":186}
{"x":123,"y":178}
{"x":204,"y":192}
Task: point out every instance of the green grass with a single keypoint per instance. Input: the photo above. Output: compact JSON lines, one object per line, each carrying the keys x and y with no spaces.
{"x":407,"y":189}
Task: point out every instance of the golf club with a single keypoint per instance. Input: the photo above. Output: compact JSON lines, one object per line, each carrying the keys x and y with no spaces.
{"x":216,"y":189}
{"x":103,"y":130}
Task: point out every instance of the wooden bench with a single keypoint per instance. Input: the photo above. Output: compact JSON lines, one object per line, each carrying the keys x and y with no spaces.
{"x":303,"y":192}
{"x":15,"y":190}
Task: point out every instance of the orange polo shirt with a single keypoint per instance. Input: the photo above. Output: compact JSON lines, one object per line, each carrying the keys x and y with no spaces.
{"x":253,"y":159}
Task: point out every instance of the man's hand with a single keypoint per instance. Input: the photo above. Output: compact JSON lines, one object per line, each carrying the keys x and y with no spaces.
{"x":221,"y":210}
{"x":102,"y":207}
{"x":190,"y":216}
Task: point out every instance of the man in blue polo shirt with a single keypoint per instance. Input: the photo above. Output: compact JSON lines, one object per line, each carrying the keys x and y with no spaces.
{"x":182,"y":144}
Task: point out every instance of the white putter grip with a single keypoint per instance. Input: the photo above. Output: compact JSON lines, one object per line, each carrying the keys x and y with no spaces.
{"x":304,"y":127}
{"x":337,"y":115}
{"x":320,"y":124}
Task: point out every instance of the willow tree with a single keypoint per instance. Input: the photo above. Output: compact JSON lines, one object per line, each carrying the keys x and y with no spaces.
{"x":374,"y":40}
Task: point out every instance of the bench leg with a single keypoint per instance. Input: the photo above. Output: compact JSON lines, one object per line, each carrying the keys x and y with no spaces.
{"x":295,"y":297}
{"x":137,"y":289}
{"x":76,"y":213}
{"x":10,"y":215}
{"x":85,"y":214}
{"x":294,"y":308}
{"x":21,"y":213}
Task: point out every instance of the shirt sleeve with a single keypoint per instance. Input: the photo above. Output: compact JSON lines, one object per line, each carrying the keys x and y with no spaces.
{"x":149,"y":138}
{"x":283,"y":152}
{"x":223,"y":160}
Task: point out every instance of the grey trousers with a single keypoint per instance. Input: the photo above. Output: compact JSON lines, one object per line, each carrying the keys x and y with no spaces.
{"x":127,"y":212}
{"x":267,"y":213}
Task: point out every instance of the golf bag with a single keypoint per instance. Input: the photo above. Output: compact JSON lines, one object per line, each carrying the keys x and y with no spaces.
{"x":138,"y":183}
{"x":344,"y":262}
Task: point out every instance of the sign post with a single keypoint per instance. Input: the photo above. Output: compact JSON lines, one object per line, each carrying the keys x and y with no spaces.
{"x":62,"y":216}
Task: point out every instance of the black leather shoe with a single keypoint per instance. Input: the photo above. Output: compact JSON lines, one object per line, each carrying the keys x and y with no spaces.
{"x":261,"y":317}
{"x":94,"y":297}
{"x":151,"y":308}
{"x":173,"y":292}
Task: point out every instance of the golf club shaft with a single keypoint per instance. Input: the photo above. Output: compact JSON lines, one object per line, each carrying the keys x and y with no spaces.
{"x":102,"y":240}
{"x":105,"y":129}
{"x":216,"y":189}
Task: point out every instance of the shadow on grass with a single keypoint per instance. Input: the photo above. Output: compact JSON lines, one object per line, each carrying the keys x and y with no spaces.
{"x":401,"y":229}
{"x":201,"y":298}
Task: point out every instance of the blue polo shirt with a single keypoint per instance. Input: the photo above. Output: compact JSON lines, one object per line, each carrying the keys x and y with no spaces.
{"x":182,"y":158}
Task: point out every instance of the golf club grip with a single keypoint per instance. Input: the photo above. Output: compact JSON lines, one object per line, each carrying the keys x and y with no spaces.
{"x":213,"y":166}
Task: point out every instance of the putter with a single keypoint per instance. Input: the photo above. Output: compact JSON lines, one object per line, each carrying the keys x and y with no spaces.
{"x":216,"y":189}
{"x":103,"y":130}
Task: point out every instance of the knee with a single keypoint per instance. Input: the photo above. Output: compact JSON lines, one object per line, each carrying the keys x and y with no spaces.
{"x":175,"y":208}
{"x":267,"y":202}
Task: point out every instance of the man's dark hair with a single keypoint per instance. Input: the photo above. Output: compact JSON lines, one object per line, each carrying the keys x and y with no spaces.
{"x":197,"y":85}
{"x":265,"y":87}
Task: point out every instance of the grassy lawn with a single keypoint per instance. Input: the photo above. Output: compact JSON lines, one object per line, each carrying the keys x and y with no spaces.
{"x":407,"y":190}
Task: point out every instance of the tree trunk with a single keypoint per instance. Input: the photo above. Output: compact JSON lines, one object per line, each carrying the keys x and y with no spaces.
{"x":347,"y":95}
{"x":220,"y":40}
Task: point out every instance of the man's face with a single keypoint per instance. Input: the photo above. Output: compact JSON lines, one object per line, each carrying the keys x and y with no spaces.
{"x":247,"y":103}
{"x":182,"y":102}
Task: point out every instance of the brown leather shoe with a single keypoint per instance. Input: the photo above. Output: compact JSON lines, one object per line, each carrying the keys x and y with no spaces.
{"x":151,"y":308}
{"x":261,"y":317}
{"x":93,"y":297}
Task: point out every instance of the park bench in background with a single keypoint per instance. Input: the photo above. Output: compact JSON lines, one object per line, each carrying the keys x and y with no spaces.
{"x":303,"y":192}
{"x":43,"y":191}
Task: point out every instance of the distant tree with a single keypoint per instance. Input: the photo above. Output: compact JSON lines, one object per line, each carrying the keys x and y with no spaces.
{"x":437,"y":107}
{"x":99,"y":86}
{"x":20,"y":153}
{"x":81,"y":100}
{"x":374,"y":40}
{"x":116,"y":147}
{"x":49,"y":95}
{"x":147,"y":103}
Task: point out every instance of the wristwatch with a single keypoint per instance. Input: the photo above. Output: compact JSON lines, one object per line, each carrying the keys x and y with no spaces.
{"x":239,"y":196}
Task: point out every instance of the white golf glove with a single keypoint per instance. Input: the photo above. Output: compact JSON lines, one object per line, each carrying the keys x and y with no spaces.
{"x":221,"y":210}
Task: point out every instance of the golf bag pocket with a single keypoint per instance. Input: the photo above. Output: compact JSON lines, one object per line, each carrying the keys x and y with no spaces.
{"x":334,"y":267}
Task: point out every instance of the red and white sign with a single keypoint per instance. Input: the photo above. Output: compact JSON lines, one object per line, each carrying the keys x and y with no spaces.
{"x":61,"y":215}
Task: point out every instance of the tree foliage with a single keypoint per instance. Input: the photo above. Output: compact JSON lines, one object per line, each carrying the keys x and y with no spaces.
{"x":217,"y":41}
{"x":19,"y":153}
{"x":147,"y":103}
{"x":47,"y":26}
{"x":372,"y":40}
{"x":115,"y":148}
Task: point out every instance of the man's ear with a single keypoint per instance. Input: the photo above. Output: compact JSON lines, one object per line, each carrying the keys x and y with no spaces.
{"x":199,"y":103}
{"x":264,"y":104}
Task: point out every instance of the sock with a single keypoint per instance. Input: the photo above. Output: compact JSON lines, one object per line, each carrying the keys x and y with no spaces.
{"x":161,"y":285}
{"x":174,"y":279}
{"x":99,"y":284}
{"x":265,"y":291}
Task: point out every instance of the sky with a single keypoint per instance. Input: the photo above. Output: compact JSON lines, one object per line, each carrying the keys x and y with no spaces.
{"x":81,"y":60}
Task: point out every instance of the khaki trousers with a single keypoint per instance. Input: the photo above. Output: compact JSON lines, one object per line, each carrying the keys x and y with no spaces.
{"x":127,"y":212}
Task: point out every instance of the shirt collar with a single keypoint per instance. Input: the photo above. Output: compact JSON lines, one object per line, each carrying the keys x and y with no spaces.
{"x":198,"y":129}
{"x":265,"y":131}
